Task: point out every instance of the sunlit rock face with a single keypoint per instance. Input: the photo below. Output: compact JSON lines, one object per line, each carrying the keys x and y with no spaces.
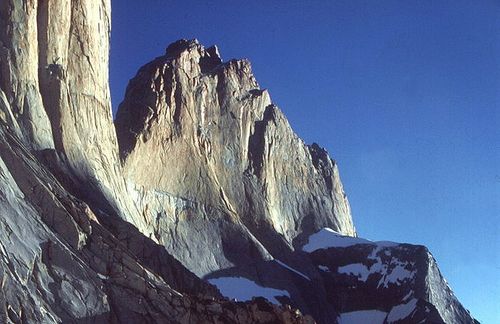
{"x":203,"y":144}
{"x":54,"y":92}
{"x":21,"y":104}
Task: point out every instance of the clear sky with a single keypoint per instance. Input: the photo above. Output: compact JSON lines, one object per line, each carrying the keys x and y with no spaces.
{"x":405,"y":95}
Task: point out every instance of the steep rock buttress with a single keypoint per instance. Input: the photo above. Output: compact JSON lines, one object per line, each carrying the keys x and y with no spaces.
{"x":206,"y":151}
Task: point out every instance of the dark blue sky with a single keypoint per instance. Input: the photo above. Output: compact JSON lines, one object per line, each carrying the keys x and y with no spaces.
{"x":405,"y":95}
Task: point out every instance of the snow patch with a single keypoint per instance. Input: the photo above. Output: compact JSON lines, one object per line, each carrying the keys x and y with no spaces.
{"x":371,"y":316}
{"x":396,"y":276}
{"x":243,"y":289}
{"x":357,"y":269}
{"x":327,"y":238}
{"x":394,"y":273}
{"x":402,"y":311}
{"x":324,"y":268}
{"x":408,"y":295}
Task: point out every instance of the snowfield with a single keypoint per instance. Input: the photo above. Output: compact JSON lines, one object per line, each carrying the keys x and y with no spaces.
{"x":243,"y":289}
{"x":356,"y":269}
{"x":371,"y":316}
{"x":327,"y":238}
{"x":402,"y":311}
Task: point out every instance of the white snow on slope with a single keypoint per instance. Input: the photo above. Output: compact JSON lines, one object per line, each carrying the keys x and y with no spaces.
{"x":284,"y":265}
{"x":356,"y":269}
{"x":402,"y":311}
{"x":324,"y":268}
{"x":327,"y":237}
{"x":372,"y":316}
{"x":408,"y":295}
{"x":243,"y":289}
{"x":396,"y":276}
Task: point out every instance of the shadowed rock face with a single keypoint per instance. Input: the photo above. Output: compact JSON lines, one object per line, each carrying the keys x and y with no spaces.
{"x":390,"y":278}
{"x":219,"y":151}
{"x":399,"y":282}
{"x":202,"y":178}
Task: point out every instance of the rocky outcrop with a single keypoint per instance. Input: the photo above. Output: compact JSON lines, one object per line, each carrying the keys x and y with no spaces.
{"x":401,"y":280}
{"x":223,"y":164}
{"x":342,"y":279}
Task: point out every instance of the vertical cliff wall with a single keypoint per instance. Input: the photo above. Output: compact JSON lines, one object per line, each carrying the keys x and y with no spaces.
{"x":22,"y":105}
{"x":196,"y":132}
{"x":54,"y":92}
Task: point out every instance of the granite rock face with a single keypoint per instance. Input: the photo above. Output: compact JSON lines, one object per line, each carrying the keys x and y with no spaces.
{"x":54,"y":92}
{"x":200,"y":181}
{"x":221,"y":159}
{"x":21,"y":103}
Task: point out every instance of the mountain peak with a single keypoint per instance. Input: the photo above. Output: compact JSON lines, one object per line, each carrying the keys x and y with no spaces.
{"x":209,"y":55}
{"x":229,"y":148}
{"x":181,"y":45}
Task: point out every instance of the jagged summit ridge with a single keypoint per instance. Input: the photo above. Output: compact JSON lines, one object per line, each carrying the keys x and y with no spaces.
{"x":184,"y":45}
